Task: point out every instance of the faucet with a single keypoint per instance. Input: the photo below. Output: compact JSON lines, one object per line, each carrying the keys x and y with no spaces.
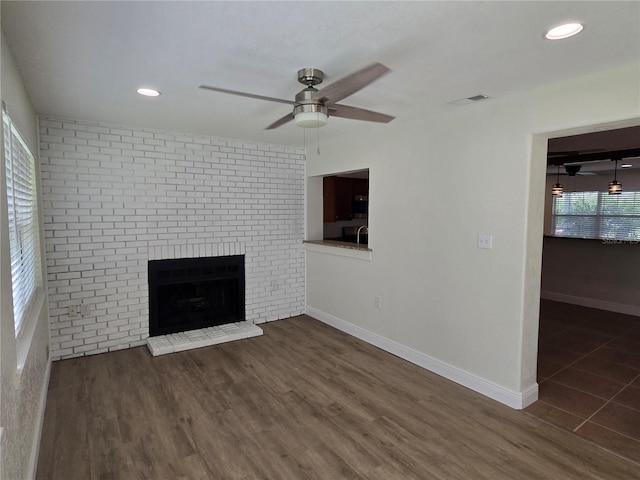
{"x":366,"y":230}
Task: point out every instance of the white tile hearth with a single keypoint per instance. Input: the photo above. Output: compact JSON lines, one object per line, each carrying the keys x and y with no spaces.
{"x":178,"y":342}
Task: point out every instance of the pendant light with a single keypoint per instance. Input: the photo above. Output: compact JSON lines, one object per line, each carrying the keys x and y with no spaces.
{"x":557,"y":188}
{"x":615,"y":187}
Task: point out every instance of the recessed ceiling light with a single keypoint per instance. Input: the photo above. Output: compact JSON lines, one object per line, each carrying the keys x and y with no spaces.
{"x":626,"y":165}
{"x":564,"y":31}
{"x":148,"y":92}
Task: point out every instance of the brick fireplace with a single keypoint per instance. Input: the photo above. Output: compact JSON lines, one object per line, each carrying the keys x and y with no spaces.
{"x":117,"y":197}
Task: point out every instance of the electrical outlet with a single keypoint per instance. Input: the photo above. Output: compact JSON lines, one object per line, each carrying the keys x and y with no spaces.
{"x":85,"y":310}
{"x":73,"y":311}
{"x":378,"y":301}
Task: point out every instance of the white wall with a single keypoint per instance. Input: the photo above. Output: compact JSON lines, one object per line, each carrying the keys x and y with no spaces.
{"x":24,"y":364}
{"x":592,"y":273}
{"x":116,"y":197}
{"x":478,"y":169}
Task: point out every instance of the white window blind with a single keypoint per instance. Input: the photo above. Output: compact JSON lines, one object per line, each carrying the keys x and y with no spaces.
{"x":23,"y":221}
{"x":597,"y":215}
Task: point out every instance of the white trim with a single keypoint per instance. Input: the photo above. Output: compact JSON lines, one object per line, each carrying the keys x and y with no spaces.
{"x":3,"y":447}
{"x":35,"y":446}
{"x":496,"y":392}
{"x":529,"y":395}
{"x":26,"y":333}
{"x":592,"y":303}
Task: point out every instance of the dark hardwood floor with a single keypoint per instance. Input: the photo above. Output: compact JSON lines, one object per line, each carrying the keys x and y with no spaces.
{"x":302,"y":402}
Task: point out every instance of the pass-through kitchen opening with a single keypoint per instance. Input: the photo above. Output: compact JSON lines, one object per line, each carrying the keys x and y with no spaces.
{"x":346,"y":207}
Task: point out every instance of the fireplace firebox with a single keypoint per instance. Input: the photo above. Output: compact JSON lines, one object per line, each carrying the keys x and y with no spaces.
{"x":191,"y":293}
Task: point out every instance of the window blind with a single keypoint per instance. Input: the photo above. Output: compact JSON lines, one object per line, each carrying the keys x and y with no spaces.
{"x":23,"y":221}
{"x":597,"y":215}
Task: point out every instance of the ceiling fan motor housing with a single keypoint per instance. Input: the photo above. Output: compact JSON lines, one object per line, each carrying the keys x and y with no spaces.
{"x":572,"y":170}
{"x":310,"y":76}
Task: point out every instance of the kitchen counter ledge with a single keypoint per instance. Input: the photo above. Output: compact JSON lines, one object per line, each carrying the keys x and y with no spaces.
{"x":336,"y":247}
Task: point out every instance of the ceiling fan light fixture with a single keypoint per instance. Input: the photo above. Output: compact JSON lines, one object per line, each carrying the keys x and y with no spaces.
{"x":564,"y":31}
{"x":310,"y":115}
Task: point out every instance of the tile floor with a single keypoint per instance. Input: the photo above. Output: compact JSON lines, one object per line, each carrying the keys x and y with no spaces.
{"x":589,"y":375}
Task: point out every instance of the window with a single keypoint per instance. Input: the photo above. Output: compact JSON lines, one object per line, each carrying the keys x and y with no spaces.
{"x":597,"y":215}
{"x":23,"y":221}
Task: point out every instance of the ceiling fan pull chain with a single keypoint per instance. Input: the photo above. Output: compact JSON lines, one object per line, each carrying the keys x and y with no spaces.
{"x":318,"y":150}
{"x":304,"y":142}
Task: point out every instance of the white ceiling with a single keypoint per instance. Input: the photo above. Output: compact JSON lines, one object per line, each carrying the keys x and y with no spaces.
{"x":85,"y":60}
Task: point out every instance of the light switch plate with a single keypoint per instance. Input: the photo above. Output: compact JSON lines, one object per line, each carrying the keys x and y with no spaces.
{"x":485,"y":240}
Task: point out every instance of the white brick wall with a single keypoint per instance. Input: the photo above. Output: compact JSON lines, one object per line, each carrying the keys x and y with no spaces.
{"x":115,"y":197}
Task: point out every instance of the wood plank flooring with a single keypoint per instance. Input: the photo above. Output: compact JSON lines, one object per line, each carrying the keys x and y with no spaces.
{"x":303,"y":402}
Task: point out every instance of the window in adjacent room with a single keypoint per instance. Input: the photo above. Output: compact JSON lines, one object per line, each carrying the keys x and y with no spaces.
{"x":24,"y":235}
{"x":597,"y":215}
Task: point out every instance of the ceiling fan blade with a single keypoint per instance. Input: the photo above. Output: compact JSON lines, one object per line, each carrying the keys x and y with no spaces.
{"x":350,"y":84}
{"x":355,"y":113}
{"x":250,"y":95}
{"x":287,"y":118}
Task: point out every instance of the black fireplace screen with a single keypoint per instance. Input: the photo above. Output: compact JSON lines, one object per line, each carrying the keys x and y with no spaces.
{"x":190,"y":293}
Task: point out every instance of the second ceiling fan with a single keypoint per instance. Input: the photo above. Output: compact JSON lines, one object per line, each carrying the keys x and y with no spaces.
{"x":312,"y":107}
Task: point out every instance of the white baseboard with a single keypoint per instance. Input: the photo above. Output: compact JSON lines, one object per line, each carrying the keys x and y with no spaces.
{"x":3,"y":448}
{"x":496,"y":392}
{"x":35,"y":447}
{"x":592,"y":303}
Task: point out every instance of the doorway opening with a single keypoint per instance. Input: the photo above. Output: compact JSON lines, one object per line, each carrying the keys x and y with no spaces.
{"x":588,"y":362}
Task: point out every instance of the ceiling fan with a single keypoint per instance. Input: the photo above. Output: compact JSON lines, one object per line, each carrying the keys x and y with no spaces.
{"x":312,"y":107}
{"x":572,"y":170}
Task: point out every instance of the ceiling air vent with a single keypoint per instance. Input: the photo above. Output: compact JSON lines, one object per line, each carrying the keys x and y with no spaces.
{"x":468,"y":100}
